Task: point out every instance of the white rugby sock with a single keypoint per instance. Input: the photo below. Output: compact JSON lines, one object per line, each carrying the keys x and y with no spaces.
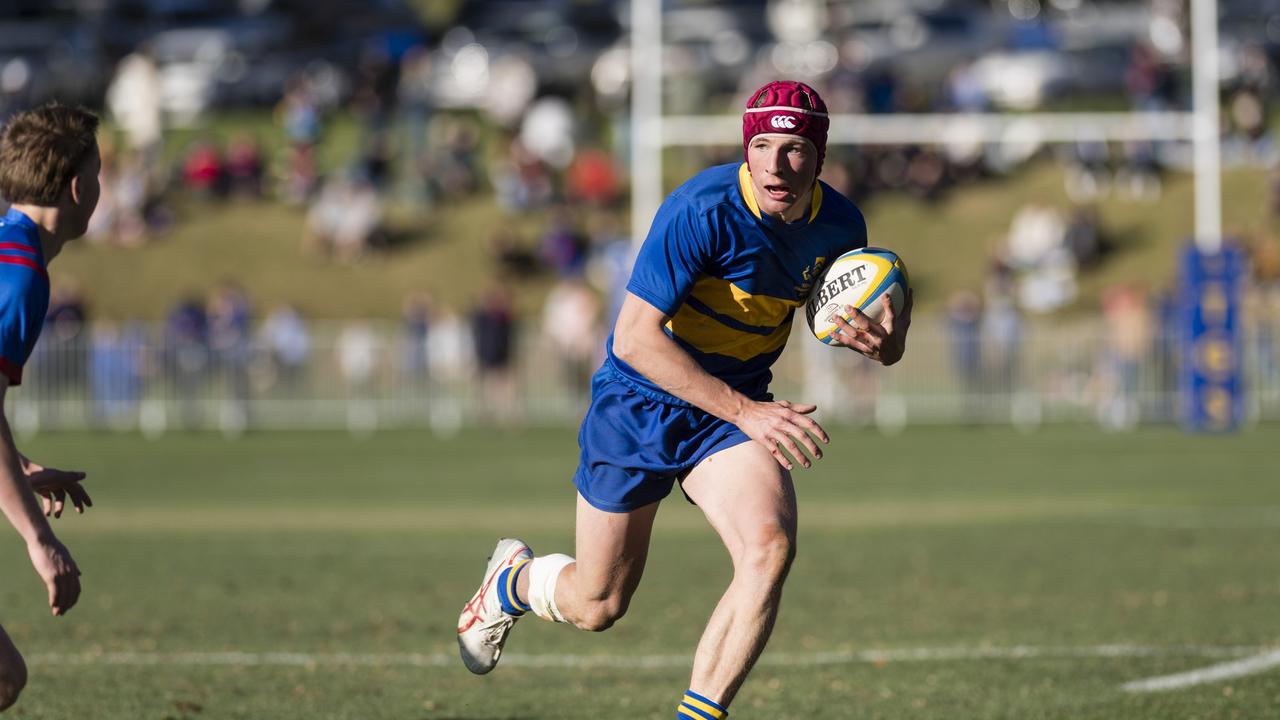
{"x":544,"y":571}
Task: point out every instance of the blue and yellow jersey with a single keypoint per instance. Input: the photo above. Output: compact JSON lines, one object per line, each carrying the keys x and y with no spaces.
{"x":730,"y":278}
{"x":24,"y":292}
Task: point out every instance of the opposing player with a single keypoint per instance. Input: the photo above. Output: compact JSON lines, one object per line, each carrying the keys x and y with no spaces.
{"x":49,"y":172}
{"x":683,"y":397}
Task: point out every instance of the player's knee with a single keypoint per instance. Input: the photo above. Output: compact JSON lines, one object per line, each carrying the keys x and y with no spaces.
{"x":13,"y":678}
{"x":600,"y":615}
{"x":768,"y":557}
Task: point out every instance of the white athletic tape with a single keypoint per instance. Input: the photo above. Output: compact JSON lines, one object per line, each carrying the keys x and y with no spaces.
{"x":1213,"y":673}
{"x":777,"y":659}
{"x":544,"y":572}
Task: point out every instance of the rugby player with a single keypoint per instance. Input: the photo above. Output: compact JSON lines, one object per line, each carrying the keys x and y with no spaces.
{"x":49,"y":166}
{"x":683,"y":398}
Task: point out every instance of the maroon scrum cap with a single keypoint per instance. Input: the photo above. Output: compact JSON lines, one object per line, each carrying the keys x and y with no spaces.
{"x":790,"y":108}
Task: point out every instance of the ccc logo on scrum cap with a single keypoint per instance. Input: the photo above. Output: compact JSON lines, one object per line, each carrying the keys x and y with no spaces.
{"x":783,"y":122}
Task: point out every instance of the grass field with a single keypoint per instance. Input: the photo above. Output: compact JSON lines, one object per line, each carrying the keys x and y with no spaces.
{"x":943,"y":573}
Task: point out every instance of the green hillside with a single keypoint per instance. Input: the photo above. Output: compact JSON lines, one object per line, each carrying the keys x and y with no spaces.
{"x":444,"y":249}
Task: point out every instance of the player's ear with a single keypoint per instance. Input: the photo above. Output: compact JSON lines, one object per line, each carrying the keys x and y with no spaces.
{"x":73,"y":188}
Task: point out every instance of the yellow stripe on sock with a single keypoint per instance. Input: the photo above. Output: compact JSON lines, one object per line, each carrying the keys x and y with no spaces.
{"x":695,"y":702}
{"x":511,"y":581}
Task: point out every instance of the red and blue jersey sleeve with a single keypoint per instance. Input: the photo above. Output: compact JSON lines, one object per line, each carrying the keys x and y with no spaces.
{"x":675,"y":254}
{"x":24,"y":299}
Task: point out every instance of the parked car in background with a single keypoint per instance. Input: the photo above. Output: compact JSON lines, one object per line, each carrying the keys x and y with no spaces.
{"x":919,"y":46}
{"x":44,"y":59}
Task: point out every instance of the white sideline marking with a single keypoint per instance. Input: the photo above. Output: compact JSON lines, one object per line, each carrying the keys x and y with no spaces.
{"x":923,"y":654}
{"x":1213,"y":673}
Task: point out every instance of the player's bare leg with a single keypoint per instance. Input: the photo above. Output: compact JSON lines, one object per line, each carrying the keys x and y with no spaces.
{"x":594,"y":590}
{"x":750,"y":501}
{"x":13,"y":672}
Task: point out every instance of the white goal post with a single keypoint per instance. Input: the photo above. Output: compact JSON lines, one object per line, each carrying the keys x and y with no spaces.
{"x":651,"y":133}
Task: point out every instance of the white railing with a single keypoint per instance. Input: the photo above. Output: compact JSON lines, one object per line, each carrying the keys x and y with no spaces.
{"x":374,"y":377}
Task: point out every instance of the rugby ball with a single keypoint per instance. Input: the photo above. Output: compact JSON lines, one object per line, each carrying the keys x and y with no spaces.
{"x":858,"y":278}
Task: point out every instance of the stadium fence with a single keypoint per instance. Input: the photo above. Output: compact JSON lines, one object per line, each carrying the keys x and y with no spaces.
{"x":368,"y":375}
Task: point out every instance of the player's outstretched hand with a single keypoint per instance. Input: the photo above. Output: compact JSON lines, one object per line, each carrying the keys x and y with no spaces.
{"x":61,"y":577}
{"x":54,"y":486}
{"x":780,"y":425}
{"x":885,"y":341}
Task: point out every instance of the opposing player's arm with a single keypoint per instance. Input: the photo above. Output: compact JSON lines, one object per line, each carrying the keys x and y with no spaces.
{"x":640,"y":341}
{"x":18,"y":502}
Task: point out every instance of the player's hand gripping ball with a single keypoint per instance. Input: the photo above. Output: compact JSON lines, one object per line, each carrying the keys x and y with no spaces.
{"x":858,"y":278}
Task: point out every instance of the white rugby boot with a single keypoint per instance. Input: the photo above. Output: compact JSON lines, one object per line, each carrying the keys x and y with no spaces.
{"x":483,"y":626}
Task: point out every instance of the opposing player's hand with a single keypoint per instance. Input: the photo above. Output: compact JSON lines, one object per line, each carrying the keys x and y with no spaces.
{"x":55,"y":486}
{"x":61,"y":577}
{"x":784,"y":425}
{"x":885,"y":341}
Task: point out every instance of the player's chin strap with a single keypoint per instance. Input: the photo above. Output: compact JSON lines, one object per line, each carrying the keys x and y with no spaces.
{"x":544,"y":571}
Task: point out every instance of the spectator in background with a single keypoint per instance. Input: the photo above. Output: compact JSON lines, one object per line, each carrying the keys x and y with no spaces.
{"x":58,"y":361}
{"x":1088,"y":175}
{"x":374,"y":164}
{"x":1247,"y":106}
{"x":121,"y":215}
{"x":521,"y":181}
{"x":571,"y":329}
{"x":1001,"y":331}
{"x":1264,"y":309}
{"x":65,"y":335}
{"x":593,"y":179}
{"x":1247,"y":115}
{"x":133,"y":99}
{"x":881,"y":91}
{"x":374,"y":97}
{"x":187,"y":355}
{"x":563,"y":247}
{"x":287,"y":342}
{"x":345,"y":221}
{"x":230,"y":319}
{"x":204,"y":172}
{"x":964,"y":330}
{"x":245,"y":166}
{"x":1167,"y":349}
{"x":451,"y":366}
{"x":1082,"y":236}
{"x":926,"y":174}
{"x":1150,"y":83}
{"x":415,"y":331}
{"x":964,"y":90}
{"x":132,"y":196}
{"x":1139,"y":176}
{"x":300,"y":115}
{"x":117,"y":362}
{"x":457,"y":168}
{"x":1128,"y":324}
{"x":1036,"y":250}
{"x":414,"y":98}
{"x":357,"y":350}
{"x":102,"y":224}
{"x":609,"y":265}
{"x":493,"y":326}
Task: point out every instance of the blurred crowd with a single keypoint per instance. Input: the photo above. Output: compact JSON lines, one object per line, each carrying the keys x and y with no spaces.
{"x":213,"y":359}
{"x":371,"y":124}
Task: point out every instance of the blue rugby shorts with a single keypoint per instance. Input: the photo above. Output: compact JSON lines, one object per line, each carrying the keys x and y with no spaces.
{"x":635,"y":446}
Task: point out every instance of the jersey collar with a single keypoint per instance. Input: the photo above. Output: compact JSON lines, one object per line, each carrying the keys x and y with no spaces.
{"x":16,"y":217}
{"x":749,"y":194}
{"x":32,"y":235}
